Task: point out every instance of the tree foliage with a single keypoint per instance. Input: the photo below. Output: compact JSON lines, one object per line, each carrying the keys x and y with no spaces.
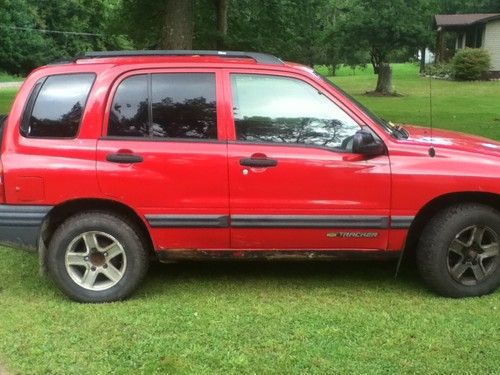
{"x":328,"y":32}
{"x":34,"y":32}
{"x":378,"y":27}
{"x":20,"y":51}
{"x":467,"y":6}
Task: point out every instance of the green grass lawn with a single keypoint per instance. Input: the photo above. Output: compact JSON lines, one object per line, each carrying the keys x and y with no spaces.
{"x":6,"y":98}
{"x":5,"y":77}
{"x":267,"y":318}
{"x":471,"y":107}
{"x":248,"y":318}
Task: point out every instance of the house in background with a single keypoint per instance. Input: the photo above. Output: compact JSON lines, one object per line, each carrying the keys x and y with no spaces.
{"x":472,"y":31}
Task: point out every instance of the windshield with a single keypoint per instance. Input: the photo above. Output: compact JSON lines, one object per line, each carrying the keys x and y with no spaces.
{"x":390,"y":128}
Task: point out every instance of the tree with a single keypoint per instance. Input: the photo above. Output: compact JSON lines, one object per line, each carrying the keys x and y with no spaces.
{"x":174,"y":24}
{"x":291,"y":29}
{"x":467,"y":6}
{"x":20,"y":50}
{"x":178,"y":26}
{"x":222,"y":7}
{"x":382,"y":27}
{"x":36,"y":32}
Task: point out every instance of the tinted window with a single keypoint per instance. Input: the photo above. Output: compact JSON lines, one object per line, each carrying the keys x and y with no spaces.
{"x":286,"y":110}
{"x":184,"y":106}
{"x":57,"y":106}
{"x":180,"y":106}
{"x":129,"y":111}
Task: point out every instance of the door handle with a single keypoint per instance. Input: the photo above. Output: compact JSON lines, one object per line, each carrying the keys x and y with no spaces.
{"x":124,"y":158}
{"x":258,"y":162}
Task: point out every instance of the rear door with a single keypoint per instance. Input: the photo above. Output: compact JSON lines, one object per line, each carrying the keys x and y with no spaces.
{"x":294,"y":181}
{"x":164,"y":154}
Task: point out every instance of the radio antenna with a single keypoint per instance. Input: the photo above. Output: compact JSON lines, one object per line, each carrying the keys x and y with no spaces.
{"x":432,"y":151}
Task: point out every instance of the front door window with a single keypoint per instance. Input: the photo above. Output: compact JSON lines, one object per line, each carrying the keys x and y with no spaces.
{"x":275,"y":109}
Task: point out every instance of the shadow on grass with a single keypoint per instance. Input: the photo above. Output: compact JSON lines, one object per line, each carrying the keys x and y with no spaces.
{"x":232,"y":276}
{"x":368,"y":275}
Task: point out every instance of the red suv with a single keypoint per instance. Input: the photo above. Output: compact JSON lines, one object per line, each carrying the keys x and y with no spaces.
{"x":119,"y":157}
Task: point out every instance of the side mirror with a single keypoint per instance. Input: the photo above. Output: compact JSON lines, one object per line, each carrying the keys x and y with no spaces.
{"x":365,"y":144}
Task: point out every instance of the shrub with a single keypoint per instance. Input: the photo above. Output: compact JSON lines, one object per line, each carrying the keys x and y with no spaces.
{"x":439,"y":70}
{"x":471,"y":64}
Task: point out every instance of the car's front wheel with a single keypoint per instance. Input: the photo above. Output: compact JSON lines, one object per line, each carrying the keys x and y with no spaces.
{"x":459,"y":251}
{"x":96,"y":257}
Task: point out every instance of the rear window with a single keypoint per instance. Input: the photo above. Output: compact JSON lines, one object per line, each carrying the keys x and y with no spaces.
{"x":171,"y":106}
{"x":56,"y":106}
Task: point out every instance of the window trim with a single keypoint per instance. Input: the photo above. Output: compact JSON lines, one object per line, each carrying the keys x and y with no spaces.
{"x":232,"y":121}
{"x":220,"y":126}
{"x":33,"y":97}
{"x":159,"y":139}
{"x":30,"y":104}
{"x":107,"y":112}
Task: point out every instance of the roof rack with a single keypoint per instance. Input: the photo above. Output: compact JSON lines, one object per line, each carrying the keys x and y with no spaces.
{"x":261,"y":58}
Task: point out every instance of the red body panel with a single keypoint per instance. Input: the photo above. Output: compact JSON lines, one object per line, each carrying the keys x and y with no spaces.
{"x":307,"y":181}
{"x":205,"y":178}
{"x":175,"y":178}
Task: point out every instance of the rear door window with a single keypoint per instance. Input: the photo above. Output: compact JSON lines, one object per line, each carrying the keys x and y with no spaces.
{"x":56,"y":106}
{"x":129,"y":112}
{"x":169,"y":106}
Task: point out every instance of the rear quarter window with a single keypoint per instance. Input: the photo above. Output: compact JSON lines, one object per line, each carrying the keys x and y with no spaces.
{"x":56,"y":106}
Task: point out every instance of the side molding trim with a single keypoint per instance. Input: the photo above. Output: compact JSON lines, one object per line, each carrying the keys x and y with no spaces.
{"x":188,"y":221}
{"x":309,"y":221}
{"x":280,"y":221}
{"x":401,"y":222}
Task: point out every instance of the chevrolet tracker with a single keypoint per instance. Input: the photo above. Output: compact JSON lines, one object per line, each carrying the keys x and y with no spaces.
{"x":118,"y":158}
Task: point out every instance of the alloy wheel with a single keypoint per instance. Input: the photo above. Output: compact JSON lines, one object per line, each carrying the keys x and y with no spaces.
{"x":95,"y":261}
{"x":473,"y":255}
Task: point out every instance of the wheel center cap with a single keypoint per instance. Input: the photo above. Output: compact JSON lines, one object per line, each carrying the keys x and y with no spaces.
{"x":472,"y":254}
{"x":97,"y":259}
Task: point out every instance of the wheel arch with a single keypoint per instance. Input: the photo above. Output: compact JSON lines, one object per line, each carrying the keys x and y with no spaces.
{"x":442,"y":202}
{"x":66,"y":209}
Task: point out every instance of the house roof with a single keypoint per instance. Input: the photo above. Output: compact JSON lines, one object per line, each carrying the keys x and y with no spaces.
{"x":455,"y":20}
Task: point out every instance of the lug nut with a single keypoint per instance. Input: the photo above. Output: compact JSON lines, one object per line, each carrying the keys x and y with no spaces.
{"x":86,"y":259}
{"x":105,"y":266}
{"x":105,"y":254}
{"x":93,"y":269}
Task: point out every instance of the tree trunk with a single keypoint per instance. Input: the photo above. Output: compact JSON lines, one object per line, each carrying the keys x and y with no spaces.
{"x":178,"y":29}
{"x":222,"y":10}
{"x":440,"y":47}
{"x":384,"y":82}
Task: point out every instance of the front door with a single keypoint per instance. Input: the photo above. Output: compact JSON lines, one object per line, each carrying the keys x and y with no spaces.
{"x":164,"y":155}
{"x":294,"y":181}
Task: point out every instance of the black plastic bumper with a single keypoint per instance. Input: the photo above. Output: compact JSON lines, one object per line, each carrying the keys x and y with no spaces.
{"x":20,"y":225}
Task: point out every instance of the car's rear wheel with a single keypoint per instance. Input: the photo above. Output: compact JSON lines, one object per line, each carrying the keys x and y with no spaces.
{"x":459,"y":251}
{"x":97,"y":257}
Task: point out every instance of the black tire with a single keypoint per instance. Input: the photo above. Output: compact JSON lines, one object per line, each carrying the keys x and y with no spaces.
{"x":132,"y":257}
{"x":438,"y":260}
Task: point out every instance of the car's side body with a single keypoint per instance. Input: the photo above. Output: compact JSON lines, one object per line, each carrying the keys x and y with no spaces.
{"x":176,"y":156}
{"x":192,"y":195}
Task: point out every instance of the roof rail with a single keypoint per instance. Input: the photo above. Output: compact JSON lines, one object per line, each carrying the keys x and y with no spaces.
{"x":261,"y":58}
